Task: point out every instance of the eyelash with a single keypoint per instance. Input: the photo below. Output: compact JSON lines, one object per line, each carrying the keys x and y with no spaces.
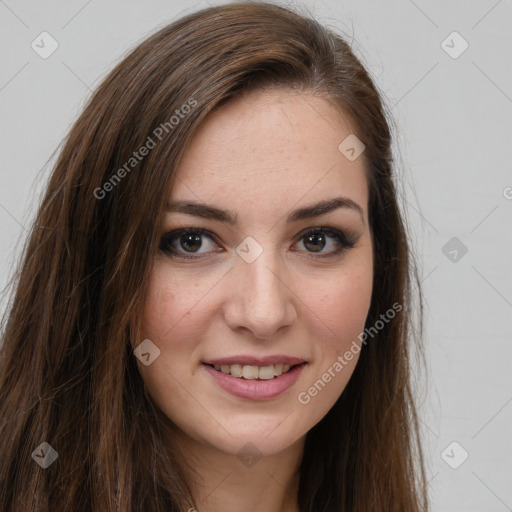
{"x":345,"y":241}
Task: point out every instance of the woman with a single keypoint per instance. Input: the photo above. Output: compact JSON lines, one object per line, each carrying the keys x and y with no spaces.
{"x":213,"y":307}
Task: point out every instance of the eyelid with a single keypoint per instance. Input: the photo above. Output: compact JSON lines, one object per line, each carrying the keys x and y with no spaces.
{"x":349,"y":236}
{"x":345,"y":239}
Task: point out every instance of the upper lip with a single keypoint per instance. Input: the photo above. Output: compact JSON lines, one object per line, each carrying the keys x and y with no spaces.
{"x":256,"y":361}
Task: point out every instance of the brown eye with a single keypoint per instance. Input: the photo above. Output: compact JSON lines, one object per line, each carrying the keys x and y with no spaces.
{"x":185,"y":241}
{"x":315,"y":242}
{"x":317,"y":239}
{"x":190,"y":243}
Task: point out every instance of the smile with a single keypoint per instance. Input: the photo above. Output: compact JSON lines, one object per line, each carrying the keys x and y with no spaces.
{"x":255,"y":382}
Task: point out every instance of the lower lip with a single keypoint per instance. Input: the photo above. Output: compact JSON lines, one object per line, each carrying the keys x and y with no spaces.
{"x":255,"y":389}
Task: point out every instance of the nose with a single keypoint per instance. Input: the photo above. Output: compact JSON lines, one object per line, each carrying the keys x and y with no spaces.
{"x":259,"y":298}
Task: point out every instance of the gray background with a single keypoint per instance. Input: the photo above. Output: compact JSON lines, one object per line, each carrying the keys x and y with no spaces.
{"x":454,"y":132}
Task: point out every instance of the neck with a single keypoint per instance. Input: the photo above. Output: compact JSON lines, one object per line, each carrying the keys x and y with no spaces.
{"x":227,"y":482}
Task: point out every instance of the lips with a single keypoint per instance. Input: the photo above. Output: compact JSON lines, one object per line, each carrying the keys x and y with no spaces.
{"x":255,"y":388}
{"x":255,"y":377}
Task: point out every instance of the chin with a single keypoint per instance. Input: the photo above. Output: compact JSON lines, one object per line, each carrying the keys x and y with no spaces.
{"x":255,"y":443}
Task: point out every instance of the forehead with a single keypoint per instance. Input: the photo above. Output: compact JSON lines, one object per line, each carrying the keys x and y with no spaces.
{"x":268,"y":151}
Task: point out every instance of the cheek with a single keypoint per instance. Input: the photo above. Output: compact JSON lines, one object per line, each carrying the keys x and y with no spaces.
{"x":164,"y":316}
{"x":347,"y":304}
{"x":169,"y":320}
{"x":338,"y":314}
{"x":170,"y":324}
{"x":340,"y":302}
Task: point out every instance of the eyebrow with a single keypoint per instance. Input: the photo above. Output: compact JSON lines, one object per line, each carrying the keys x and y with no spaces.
{"x":315,"y":210}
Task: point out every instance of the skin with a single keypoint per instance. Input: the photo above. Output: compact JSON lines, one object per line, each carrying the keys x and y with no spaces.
{"x":261,"y":156}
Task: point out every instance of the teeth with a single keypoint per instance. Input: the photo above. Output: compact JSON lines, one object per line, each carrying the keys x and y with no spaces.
{"x":266,"y":372}
{"x":253,"y":372}
{"x":236,"y":370}
{"x":250,"y":372}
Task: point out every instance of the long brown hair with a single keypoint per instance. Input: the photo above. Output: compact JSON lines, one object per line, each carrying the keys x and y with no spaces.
{"x":68,"y":375}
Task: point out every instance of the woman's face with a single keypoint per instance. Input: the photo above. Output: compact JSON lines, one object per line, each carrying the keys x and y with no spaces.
{"x":261,"y":290}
